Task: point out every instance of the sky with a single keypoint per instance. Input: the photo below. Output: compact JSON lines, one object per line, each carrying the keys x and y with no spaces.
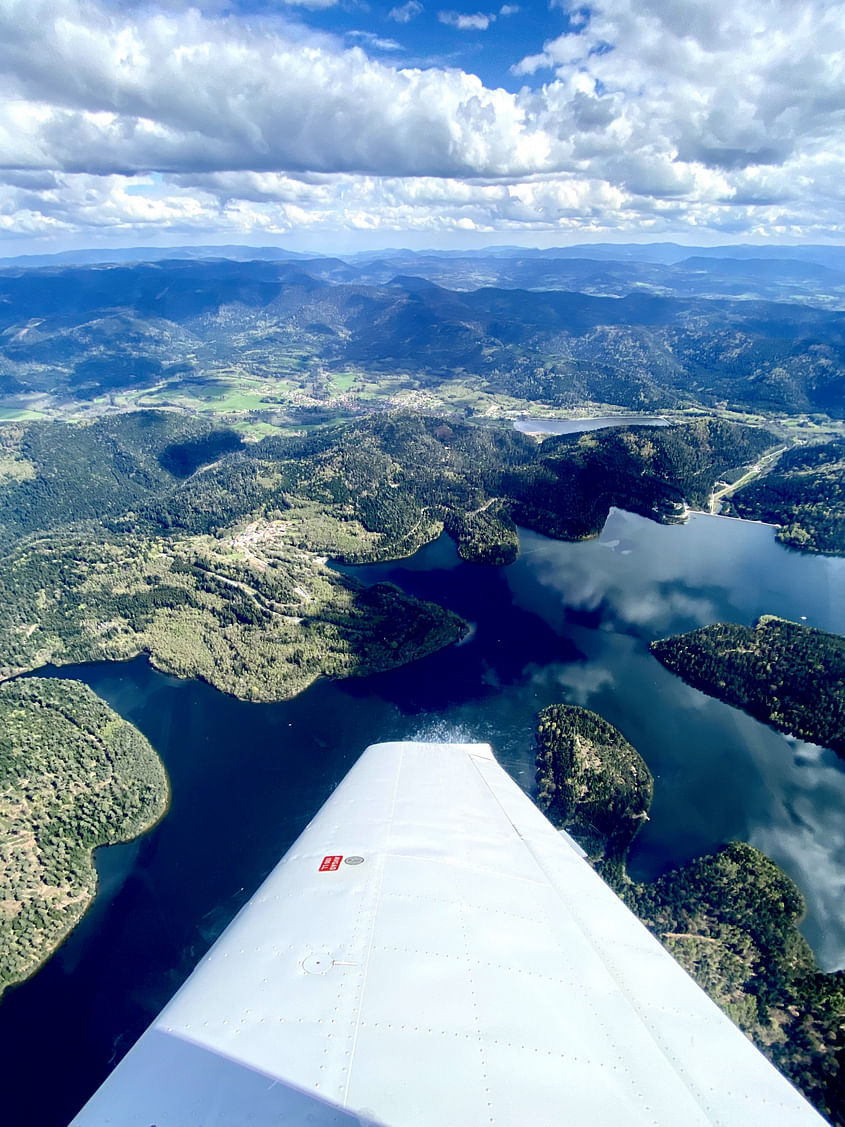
{"x":340,"y":125}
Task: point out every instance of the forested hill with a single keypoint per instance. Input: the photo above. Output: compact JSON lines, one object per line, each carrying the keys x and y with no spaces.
{"x":653,"y":471}
{"x":75,"y":333}
{"x":731,"y":920}
{"x":804,"y":494}
{"x":221,"y":573}
{"x":386,"y":484}
{"x":787,"y":675}
{"x":591,"y":782}
{"x":54,"y":474}
{"x":402,"y":477}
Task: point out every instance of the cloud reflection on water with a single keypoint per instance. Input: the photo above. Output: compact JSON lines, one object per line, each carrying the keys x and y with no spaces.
{"x":654,"y":576}
{"x":804,"y":831}
{"x":580,"y":683}
{"x":719,"y":773}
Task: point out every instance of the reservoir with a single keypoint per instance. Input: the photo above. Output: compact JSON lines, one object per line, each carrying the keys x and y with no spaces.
{"x":579,"y":426}
{"x":566,"y":622}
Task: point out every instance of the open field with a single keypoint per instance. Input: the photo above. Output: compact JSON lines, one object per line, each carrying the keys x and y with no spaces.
{"x":19,"y":415}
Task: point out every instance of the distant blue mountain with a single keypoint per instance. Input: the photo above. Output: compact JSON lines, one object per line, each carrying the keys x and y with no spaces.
{"x":664,"y":254}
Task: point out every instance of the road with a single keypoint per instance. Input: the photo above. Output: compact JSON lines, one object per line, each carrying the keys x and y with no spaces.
{"x":765,"y":463}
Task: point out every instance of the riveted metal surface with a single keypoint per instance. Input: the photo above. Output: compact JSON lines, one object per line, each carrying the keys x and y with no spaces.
{"x":473,"y":970}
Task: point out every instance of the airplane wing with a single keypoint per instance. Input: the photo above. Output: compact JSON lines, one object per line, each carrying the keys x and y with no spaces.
{"x":431,"y":952}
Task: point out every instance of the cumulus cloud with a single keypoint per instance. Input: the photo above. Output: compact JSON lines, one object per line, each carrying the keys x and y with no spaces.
{"x":803,"y":833}
{"x":314,"y":5}
{"x":722,"y":85}
{"x":649,"y":116}
{"x":577,"y":683}
{"x":479,"y":21}
{"x":178,"y":93}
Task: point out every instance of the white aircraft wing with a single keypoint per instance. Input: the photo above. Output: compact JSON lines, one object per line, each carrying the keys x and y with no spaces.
{"x":431,"y":952}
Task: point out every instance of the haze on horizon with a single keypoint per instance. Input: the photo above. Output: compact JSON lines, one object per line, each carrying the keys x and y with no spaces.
{"x":338,"y":125}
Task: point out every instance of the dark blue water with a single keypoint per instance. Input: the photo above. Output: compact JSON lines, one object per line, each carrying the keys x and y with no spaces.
{"x":566,"y":622}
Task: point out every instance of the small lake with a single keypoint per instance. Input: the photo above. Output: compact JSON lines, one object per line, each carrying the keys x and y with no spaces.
{"x":579,"y":426}
{"x":566,"y":622}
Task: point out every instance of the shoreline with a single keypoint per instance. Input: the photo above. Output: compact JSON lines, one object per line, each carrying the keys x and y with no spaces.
{"x":87,"y":902}
{"x":742,"y":520}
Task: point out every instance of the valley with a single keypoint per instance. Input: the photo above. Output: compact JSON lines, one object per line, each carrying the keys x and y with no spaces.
{"x":261,"y":441}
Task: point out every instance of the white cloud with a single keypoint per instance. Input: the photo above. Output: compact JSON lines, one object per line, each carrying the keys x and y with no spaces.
{"x":405,"y":12}
{"x":724,"y":86}
{"x":185,"y":92}
{"x":656,"y":117}
{"x":804,"y":832}
{"x":479,"y":21}
{"x":509,"y":9}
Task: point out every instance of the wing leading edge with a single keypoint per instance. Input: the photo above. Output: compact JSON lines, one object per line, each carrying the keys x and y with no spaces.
{"x":431,"y":951}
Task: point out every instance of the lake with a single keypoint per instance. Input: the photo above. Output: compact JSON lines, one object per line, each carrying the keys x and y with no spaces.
{"x":566,"y":622}
{"x":579,"y":426}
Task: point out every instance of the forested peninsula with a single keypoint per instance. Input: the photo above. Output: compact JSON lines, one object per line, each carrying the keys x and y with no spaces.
{"x":254,"y":618}
{"x":376,"y":488}
{"x":590,"y":781}
{"x":785,"y":674}
{"x":73,"y":776}
{"x":729,"y":918}
{"x":210,"y":554}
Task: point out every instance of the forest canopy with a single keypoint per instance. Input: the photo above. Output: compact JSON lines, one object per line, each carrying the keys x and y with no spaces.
{"x":210,"y":554}
{"x":73,"y":776}
{"x":785,"y":674}
{"x":804,"y":494}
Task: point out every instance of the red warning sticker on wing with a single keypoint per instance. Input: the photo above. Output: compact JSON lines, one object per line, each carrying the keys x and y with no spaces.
{"x":330,"y":864}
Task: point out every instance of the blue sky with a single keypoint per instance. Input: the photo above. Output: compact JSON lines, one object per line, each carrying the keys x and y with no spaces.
{"x":481,"y":40}
{"x":340,"y":124}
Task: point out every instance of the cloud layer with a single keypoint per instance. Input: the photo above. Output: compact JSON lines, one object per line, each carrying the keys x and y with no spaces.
{"x":651,"y":117}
